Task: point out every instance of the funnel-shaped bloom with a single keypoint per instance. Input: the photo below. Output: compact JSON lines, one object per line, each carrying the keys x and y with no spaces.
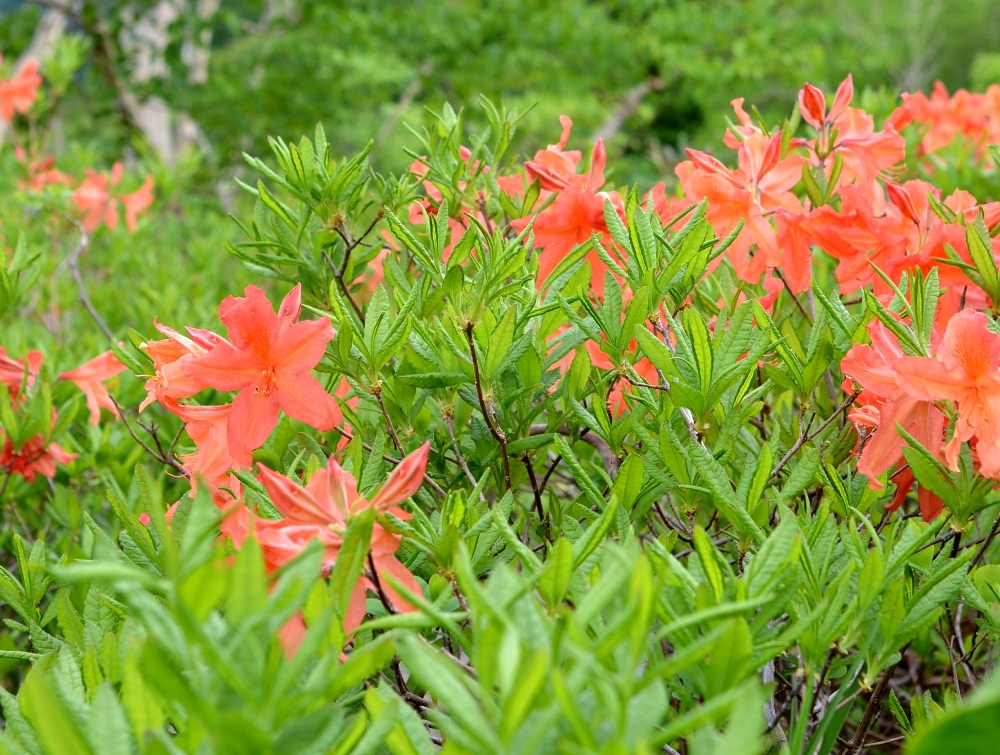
{"x":18,"y":93}
{"x":268,"y":362}
{"x":322,"y":509}
{"x":966,"y":371}
{"x":89,"y":378}
{"x":169,"y":355}
{"x":94,"y":199}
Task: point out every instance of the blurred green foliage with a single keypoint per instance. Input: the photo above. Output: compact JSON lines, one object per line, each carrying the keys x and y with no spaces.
{"x":654,"y":76}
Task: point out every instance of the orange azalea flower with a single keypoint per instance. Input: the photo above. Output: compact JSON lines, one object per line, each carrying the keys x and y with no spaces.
{"x":322,"y":509}
{"x":812,"y":103}
{"x":850,"y":134}
{"x":966,"y":370}
{"x":12,"y":371}
{"x":18,"y":94}
{"x":944,"y":117}
{"x":168,"y":356}
{"x":751,"y":193}
{"x":578,"y":210}
{"x":33,"y":458}
{"x":881,"y":406}
{"x":89,"y":376}
{"x":268,"y":362}
{"x":859,"y":235}
{"x":207,"y":426}
{"x":736,"y":134}
{"x":93,"y":198}
{"x":876,"y":369}
{"x":40,"y":172}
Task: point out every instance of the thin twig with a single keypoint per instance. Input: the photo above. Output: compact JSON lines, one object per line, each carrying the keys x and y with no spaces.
{"x":343,"y":286}
{"x":350,"y":245}
{"x":802,"y":310}
{"x":986,"y":543}
{"x":450,"y":423}
{"x":495,"y":430}
{"x":806,"y":437}
{"x":856,"y":744}
{"x":534,"y":486}
{"x":378,"y":586}
{"x":602,"y":448}
{"x":673,"y":524}
{"x":166,"y":458}
{"x":73,"y":260}
{"x":774,"y":718}
{"x":377,"y":393}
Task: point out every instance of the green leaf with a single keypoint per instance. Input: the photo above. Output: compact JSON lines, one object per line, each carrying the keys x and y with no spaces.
{"x":709,"y":562}
{"x":434,"y":379}
{"x":108,"y":728}
{"x":779,"y":551}
{"x":582,"y":478}
{"x":717,"y":480}
{"x":701,"y":345}
{"x":362,"y":664}
{"x":928,"y":471}
{"x":530,"y":443}
{"x":971,"y":729}
{"x":500,"y":341}
{"x":977,"y":237}
{"x":141,"y":706}
{"x":445,"y":683}
{"x":594,"y":535}
{"x":351,"y":558}
{"x":247,"y":583}
{"x":521,"y":700}
{"x":935,"y":590}
{"x":554,"y":579}
{"x":628,"y":482}
{"x":59,"y":730}
{"x":654,"y":350}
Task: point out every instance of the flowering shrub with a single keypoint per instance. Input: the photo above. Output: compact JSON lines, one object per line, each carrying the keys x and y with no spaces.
{"x":522,"y":461}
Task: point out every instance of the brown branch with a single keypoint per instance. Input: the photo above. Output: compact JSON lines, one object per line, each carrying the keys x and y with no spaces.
{"x":377,"y":393}
{"x":986,"y":543}
{"x":602,"y":448}
{"x":163,"y":457}
{"x":339,"y":277}
{"x":808,"y":436}
{"x":856,"y":745}
{"x":534,"y":486}
{"x":351,"y":244}
{"x":672,"y":524}
{"x":798,"y":304}
{"x":378,"y":587}
{"x":495,"y":430}
{"x":629,"y":104}
{"x":73,"y":260}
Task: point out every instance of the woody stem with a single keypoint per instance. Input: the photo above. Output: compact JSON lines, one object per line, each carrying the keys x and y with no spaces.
{"x":495,"y":430}
{"x":338,"y":275}
{"x":808,"y":436}
{"x":377,"y":393}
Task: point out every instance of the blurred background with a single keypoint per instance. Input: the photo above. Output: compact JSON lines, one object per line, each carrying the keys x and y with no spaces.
{"x":649,"y":76}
